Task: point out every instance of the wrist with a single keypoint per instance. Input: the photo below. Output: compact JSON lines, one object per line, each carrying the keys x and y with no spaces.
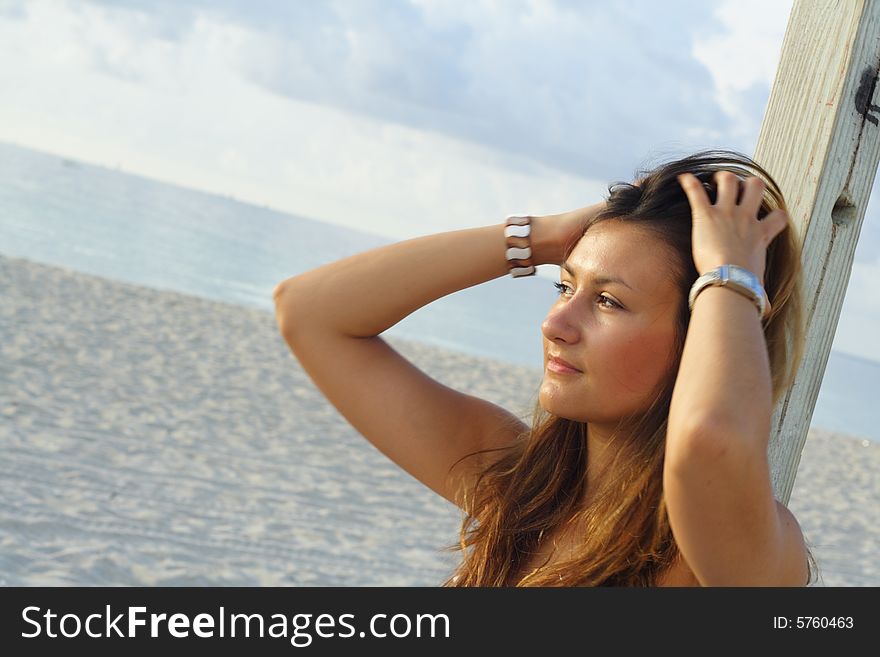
{"x":547,"y":247}
{"x":738,"y":279}
{"x":708,"y":264}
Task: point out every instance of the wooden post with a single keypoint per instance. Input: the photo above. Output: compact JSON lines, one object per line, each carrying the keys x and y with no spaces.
{"x":820,"y":140}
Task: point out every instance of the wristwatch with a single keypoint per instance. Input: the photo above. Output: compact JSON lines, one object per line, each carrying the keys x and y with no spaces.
{"x":736,"y":278}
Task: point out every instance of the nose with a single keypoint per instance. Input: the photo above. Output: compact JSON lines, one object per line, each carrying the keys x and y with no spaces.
{"x":560,"y":325}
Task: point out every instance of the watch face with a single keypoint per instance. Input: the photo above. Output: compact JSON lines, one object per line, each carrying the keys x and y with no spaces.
{"x":738,"y":278}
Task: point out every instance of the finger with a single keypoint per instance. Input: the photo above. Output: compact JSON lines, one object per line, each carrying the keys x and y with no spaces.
{"x":752,"y":196}
{"x":774,"y":224}
{"x":694,"y":191}
{"x":769,"y":309}
{"x":728,"y":187}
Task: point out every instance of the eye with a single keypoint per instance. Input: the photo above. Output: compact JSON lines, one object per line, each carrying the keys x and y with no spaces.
{"x":610,"y":301}
{"x":603,"y":299}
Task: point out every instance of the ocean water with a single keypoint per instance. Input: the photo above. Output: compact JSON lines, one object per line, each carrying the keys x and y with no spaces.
{"x":129,"y":228}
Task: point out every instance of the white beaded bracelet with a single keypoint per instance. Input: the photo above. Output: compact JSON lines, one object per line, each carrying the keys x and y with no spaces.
{"x":519,"y":257}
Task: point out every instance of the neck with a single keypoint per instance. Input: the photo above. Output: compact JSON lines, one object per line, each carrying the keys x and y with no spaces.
{"x":602,"y":446}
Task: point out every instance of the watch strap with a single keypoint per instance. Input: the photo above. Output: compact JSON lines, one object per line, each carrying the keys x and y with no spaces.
{"x":736,"y":278}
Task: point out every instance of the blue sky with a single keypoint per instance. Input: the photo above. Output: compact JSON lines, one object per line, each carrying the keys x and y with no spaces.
{"x":402,"y":117}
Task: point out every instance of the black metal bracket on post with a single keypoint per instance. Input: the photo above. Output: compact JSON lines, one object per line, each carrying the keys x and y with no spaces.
{"x":865,"y":93}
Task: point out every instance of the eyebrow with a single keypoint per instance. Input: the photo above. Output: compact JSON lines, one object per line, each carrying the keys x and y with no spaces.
{"x":597,"y":280}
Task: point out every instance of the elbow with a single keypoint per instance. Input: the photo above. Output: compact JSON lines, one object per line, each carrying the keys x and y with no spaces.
{"x":710,"y":439}
{"x":704,"y":439}
{"x":699,"y":439}
{"x":276,"y":292}
{"x":284,"y":298}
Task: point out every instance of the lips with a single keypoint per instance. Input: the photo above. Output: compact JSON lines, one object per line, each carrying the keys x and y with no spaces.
{"x":563,"y":363}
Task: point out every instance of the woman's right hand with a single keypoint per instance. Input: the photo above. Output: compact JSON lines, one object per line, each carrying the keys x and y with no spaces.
{"x":569,"y":226}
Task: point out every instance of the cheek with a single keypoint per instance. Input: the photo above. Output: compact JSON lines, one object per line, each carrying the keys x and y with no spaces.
{"x":640,"y":361}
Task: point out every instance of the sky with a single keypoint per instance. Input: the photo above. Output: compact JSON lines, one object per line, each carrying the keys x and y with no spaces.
{"x":402,"y":117}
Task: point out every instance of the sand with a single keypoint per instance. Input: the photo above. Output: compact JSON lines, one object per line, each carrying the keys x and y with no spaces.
{"x":152,"y":438}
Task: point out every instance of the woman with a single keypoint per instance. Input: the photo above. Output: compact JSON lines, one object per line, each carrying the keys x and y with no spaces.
{"x":646,"y":460}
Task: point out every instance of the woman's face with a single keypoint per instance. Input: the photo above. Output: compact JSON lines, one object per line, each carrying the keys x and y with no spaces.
{"x":622,"y":350}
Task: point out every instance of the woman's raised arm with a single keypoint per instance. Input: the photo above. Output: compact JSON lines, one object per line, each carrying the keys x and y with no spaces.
{"x":716,"y":476}
{"x":367,"y":293}
{"x":331,"y":318}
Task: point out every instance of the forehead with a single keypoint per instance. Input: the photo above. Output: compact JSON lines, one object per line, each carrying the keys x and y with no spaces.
{"x":615,"y":248}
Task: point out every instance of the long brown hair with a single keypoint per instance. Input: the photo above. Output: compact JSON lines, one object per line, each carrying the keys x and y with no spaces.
{"x":534,"y":487}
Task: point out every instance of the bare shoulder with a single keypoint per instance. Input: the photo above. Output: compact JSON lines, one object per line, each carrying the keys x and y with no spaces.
{"x":784,"y":514}
{"x":795,"y":569}
{"x":679,"y":574}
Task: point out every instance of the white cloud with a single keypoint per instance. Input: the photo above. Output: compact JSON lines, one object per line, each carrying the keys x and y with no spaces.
{"x":398,"y":118}
{"x":560,"y":82}
{"x":742,"y":55}
{"x":192,"y":120}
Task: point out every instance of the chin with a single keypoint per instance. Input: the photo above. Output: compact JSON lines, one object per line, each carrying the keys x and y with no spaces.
{"x":560,"y":408}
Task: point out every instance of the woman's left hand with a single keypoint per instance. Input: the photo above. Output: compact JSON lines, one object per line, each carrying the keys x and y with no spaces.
{"x":727,"y":232}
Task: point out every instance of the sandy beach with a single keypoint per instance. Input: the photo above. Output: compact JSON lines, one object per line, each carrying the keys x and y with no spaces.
{"x":151,"y":438}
